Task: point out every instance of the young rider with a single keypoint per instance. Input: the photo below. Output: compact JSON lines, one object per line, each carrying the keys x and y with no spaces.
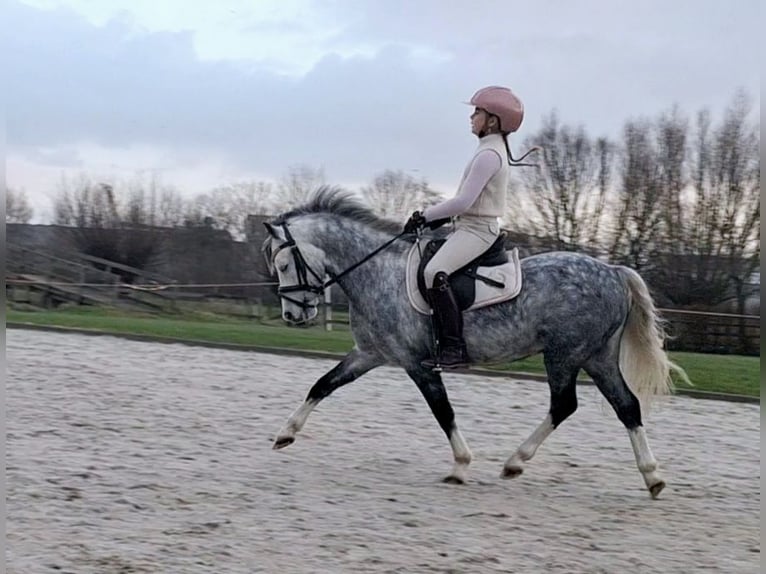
{"x":479,"y":202}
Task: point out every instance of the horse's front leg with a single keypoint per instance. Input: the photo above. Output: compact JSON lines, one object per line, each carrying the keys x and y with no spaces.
{"x":353,"y":366}
{"x":432,"y":387}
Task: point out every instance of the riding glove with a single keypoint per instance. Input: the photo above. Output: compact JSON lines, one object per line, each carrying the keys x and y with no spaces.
{"x":415,"y":222}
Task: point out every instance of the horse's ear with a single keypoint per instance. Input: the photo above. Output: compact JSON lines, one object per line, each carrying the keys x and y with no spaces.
{"x":270,"y":228}
{"x":266,"y":252}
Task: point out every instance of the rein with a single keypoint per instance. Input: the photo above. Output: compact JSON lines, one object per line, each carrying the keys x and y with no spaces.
{"x":302,"y":267}
{"x":334,"y":278}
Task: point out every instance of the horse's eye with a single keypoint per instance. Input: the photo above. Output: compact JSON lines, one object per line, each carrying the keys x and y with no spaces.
{"x":282,"y":268}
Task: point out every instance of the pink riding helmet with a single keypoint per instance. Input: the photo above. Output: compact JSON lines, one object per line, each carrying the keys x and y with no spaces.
{"x":503,"y":103}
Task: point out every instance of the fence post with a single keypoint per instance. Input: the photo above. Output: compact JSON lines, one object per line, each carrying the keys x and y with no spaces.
{"x":328,"y":309}
{"x":116,"y":292}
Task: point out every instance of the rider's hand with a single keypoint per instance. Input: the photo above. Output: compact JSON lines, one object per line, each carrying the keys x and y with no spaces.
{"x":415,"y":222}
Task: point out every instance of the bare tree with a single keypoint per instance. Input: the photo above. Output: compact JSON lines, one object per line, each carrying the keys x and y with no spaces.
{"x":151,"y":203}
{"x":295,"y":186}
{"x":566,"y":195}
{"x":650,"y":183}
{"x":109,"y":223}
{"x":228,"y":207}
{"x":17,"y":208}
{"x":712,"y":245}
{"x":84,"y":204}
{"x":170,"y":208}
{"x":396,"y":194}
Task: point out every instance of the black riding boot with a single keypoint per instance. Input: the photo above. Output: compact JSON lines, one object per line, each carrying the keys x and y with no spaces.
{"x":448,"y":323}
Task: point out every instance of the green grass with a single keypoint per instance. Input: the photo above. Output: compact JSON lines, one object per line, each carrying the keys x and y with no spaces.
{"x":718,"y":373}
{"x":721,"y":373}
{"x":208,"y":328}
{"x":733,"y":374}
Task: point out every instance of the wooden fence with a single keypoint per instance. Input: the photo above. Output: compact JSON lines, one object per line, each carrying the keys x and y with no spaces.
{"x":694,"y":331}
{"x":48,"y":280}
{"x":706,"y":332}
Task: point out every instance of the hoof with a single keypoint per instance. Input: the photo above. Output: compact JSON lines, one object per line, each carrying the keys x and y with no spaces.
{"x":283,"y":441}
{"x":656,"y":488}
{"x":453,"y":479}
{"x":511,"y":472}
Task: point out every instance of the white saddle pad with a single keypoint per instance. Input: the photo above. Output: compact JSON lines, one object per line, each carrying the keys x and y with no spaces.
{"x":509,"y":274}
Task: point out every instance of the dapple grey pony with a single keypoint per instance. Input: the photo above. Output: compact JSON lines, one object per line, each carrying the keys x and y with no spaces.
{"x":580,"y":313}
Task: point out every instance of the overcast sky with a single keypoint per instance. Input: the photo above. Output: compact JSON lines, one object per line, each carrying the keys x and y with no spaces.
{"x":205,"y":93}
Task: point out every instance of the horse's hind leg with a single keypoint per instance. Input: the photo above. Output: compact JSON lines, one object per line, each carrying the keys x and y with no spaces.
{"x":353,"y":366}
{"x":432,"y":388}
{"x":562,"y":381}
{"x":605,"y":371}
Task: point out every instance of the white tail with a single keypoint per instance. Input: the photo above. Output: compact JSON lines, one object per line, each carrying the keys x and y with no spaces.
{"x":643,"y":361}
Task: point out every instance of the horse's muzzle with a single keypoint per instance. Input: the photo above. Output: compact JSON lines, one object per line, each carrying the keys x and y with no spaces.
{"x":301,"y":318}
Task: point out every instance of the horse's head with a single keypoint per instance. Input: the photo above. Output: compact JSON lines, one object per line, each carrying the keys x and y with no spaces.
{"x":300,"y":269}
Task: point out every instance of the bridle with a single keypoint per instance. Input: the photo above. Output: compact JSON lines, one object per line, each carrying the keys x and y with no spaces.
{"x":303,"y":270}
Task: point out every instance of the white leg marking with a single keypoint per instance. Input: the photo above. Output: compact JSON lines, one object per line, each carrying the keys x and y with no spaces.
{"x":462,"y":455}
{"x":294,"y":424}
{"x":514,"y":466}
{"x":645,"y":461}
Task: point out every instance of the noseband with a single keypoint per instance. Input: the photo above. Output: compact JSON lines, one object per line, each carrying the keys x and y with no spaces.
{"x":302,"y":269}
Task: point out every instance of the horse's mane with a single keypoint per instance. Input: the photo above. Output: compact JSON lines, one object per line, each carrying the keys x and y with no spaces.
{"x":338,"y":201}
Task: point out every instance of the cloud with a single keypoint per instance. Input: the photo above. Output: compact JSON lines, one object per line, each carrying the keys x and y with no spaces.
{"x":110,"y":86}
{"x":386,"y":93}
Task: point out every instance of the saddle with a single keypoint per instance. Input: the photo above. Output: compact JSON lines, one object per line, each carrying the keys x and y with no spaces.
{"x":493,"y":277}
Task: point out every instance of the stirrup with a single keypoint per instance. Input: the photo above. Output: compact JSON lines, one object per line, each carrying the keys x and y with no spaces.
{"x":438,"y":367}
{"x":448,"y":358}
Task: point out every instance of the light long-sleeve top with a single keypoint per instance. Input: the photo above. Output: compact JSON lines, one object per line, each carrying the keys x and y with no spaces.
{"x":486,"y":172}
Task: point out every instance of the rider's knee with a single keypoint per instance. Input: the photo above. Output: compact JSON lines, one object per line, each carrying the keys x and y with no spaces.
{"x":429,"y":275}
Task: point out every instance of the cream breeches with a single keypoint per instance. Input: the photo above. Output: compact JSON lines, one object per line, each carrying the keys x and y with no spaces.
{"x":467,"y":242}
